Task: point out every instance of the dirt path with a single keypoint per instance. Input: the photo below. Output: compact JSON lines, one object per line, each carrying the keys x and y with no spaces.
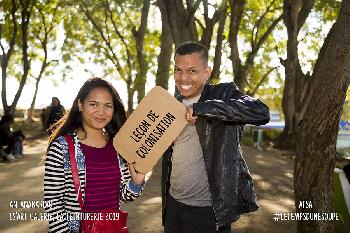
{"x":23,"y":180}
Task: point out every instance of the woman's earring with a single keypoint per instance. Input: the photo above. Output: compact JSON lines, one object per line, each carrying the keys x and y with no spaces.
{"x":105,"y":134}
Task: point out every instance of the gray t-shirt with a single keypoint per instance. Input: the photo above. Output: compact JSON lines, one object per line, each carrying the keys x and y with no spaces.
{"x":189,"y":179}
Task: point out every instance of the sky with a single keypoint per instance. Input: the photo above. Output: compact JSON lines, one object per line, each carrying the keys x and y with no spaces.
{"x":66,"y":90}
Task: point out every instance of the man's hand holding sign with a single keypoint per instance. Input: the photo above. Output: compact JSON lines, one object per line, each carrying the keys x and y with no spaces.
{"x":151,"y":129}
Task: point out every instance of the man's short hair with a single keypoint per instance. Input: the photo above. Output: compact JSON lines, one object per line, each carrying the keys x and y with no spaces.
{"x":190,"y":47}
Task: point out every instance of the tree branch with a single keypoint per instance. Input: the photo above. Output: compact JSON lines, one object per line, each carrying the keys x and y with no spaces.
{"x":205,"y":6}
{"x":121,"y":37}
{"x":113,"y":58}
{"x":304,"y":12}
{"x":265,"y":35}
{"x":218,"y":48}
{"x":14,"y":33}
{"x":262,"y":80}
{"x":191,"y":10}
{"x":1,"y":46}
{"x":222,"y":10}
{"x":261,"y":18}
{"x":126,"y":15}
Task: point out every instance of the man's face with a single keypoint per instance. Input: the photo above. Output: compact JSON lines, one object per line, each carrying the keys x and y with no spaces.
{"x":190,"y":74}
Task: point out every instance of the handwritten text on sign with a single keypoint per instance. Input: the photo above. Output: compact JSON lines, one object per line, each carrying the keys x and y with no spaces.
{"x":141,"y":132}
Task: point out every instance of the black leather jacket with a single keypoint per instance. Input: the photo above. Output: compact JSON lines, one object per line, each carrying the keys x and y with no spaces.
{"x":222,"y":111}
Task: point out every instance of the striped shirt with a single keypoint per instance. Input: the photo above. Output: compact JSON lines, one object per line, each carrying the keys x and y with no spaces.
{"x":59,"y":189}
{"x":102,"y":178}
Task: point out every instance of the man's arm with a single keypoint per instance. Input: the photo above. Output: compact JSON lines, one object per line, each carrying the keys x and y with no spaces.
{"x":240,"y":108}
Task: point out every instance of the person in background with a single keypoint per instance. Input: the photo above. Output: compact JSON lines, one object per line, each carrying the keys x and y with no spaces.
{"x":106,"y":179}
{"x":7,"y":140}
{"x":10,"y":142}
{"x":206,"y":183}
{"x":53,"y":114}
{"x":18,"y":147}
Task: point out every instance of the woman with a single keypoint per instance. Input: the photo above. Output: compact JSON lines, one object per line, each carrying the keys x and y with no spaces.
{"x":105,"y":178}
{"x":53,"y":114}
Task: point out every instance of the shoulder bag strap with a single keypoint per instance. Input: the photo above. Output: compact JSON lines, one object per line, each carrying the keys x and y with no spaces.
{"x":74,"y":168}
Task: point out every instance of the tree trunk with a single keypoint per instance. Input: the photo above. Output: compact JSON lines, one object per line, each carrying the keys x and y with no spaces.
{"x":215,"y":74}
{"x":130,"y":96}
{"x":140,"y":81}
{"x":27,"y":8}
{"x":237,"y":8}
{"x":295,"y":87}
{"x":166,"y":43}
{"x":4,"y":65}
{"x":31,"y":109}
{"x":315,"y":159}
{"x":181,"y":21}
{"x":42,"y":69}
{"x":288,"y":136}
{"x":6,"y":56}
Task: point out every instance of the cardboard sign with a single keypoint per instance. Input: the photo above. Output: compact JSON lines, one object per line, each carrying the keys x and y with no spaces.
{"x":150,"y":129}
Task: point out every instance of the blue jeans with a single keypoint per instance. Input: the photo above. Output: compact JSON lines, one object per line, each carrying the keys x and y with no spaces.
{"x":18,"y":148}
{"x":182,"y":218}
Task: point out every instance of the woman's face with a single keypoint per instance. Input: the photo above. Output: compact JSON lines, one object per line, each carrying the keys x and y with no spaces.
{"x":97,"y":109}
{"x":55,"y":102}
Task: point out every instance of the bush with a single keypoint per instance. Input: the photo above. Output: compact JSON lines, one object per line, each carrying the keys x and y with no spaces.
{"x":271,"y":134}
{"x":343,"y":153}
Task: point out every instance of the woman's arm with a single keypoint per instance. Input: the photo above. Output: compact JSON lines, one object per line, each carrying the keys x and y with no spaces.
{"x":54,"y":189}
{"x":129,"y":191}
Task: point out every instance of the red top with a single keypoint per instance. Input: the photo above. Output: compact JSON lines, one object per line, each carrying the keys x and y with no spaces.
{"x":102,"y":178}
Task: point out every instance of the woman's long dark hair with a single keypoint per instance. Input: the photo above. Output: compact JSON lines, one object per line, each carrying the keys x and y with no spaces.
{"x":73,"y":120}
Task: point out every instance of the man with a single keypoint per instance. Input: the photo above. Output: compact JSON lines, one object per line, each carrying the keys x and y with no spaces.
{"x":7,"y":139}
{"x":206,"y":184}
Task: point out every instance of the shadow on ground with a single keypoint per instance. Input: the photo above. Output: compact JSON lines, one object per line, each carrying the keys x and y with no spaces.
{"x":22,"y":180}
{"x":273,"y":179}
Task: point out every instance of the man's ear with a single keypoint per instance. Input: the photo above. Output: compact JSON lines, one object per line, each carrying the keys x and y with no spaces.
{"x":207,"y":72}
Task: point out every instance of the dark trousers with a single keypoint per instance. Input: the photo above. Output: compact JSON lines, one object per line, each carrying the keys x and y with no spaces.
{"x":8,"y":144}
{"x":182,"y":218}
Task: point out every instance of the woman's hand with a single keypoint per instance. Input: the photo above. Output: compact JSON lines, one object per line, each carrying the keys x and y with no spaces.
{"x":136,"y":176}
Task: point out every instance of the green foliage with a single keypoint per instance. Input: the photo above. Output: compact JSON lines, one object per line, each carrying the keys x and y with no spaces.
{"x":8,"y":26}
{"x":257,"y":18}
{"x":346,"y":107}
{"x":84,"y":43}
{"x":39,"y":25}
{"x":328,"y":9}
{"x":343,"y":153}
{"x":272,"y":97}
{"x":151,"y":46}
{"x":98,"y":36}
{"x":315,"y":30}
{"x":271,"y":134}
